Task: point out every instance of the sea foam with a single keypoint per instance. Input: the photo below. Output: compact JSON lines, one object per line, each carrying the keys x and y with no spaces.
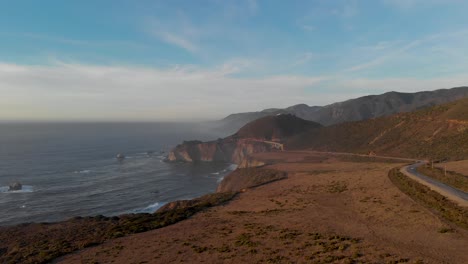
{"x":25,"y":189}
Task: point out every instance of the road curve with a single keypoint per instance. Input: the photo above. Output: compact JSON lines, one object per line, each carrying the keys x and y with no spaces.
{"x":458,"y":196}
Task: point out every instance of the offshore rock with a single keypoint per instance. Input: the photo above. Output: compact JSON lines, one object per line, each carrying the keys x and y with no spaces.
{"x":15,"y":187}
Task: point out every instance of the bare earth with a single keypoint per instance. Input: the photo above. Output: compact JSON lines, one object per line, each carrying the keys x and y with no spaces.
{"x":456,"y":166}
{"x":327,"y":211}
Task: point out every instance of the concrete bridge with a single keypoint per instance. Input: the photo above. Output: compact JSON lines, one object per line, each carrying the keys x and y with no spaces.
{"x":273,"y":144}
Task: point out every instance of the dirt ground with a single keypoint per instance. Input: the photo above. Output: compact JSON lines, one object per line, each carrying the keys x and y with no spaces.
{"x":456,"y":166}
{"x":326,"y":211}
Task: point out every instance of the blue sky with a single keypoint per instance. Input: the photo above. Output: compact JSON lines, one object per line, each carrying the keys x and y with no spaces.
{"x":190,"y":60}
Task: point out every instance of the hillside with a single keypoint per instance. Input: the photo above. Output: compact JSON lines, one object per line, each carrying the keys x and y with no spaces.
{"x":276,"y":128}
{"x":436,"y":132}
{"x":362,"y":108}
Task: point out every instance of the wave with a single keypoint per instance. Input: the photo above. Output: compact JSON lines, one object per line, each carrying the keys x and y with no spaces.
{"x":25,"y":189}
{"x":150,"y":208}
{"x":232,"y":167}
{"x":220,"y":179}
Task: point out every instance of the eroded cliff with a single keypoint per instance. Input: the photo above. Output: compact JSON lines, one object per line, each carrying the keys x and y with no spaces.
{"x":262,"y":135}
{"x":230,"y":150}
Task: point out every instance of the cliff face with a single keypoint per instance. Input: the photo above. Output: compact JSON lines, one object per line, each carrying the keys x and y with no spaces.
{"x":262,"y":135}
{"x":227,"y":150}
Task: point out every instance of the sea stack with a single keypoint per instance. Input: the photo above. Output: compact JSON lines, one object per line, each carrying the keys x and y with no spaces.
{"x":15,"y":187}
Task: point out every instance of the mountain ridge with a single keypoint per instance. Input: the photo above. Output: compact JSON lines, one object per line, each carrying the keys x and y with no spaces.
{"x":365,"y":107}
{"x":438,"y":132}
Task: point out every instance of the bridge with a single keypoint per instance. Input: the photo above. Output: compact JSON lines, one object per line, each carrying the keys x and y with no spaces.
{"x":273,"y":144}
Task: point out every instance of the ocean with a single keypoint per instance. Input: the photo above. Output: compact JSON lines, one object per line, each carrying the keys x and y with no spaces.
{"x":70,"y":169}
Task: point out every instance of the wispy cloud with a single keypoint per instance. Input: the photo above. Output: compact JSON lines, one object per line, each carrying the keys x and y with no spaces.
{"x":303,"y":59}
{"x":403,"y":84}
{"x":252,"y":6}
{"x":179,"y":32}
{"x":77,"y":91}
{"x":409,"y":4}
{"x":393,"y":50}
{"x":178,"y":40}
{"x":383,"y":58}
{"x":74,"y":42}
{"x":307,"y":27}
{"x":348,"y":9}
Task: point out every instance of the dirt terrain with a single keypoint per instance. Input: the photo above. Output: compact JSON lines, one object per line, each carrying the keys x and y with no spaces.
{"x":456,"y":166}
{"x":326,"y":211}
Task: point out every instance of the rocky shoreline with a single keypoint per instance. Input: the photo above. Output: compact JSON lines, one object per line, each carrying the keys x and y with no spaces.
{"x":43,"y":242}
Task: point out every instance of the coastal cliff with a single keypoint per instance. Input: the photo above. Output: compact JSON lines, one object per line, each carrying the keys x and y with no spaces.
{"x":262,"y":135}
{"x":230,"y":150}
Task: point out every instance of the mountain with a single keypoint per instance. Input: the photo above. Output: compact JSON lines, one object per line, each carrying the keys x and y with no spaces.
{"x":437,"y":132}
{"x":362,"y":108}
{"x":262,"y":135}
{"x":276,"y":128}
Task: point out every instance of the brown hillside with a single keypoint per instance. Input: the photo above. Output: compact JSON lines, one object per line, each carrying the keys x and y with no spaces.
{"x":436,"y":132}
{"x":276,"y":127}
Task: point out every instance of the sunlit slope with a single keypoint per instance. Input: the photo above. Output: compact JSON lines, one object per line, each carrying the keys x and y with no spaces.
{"x":437,"y":132}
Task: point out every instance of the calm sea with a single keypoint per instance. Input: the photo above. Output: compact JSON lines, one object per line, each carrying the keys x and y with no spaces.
{"x":71,"y":169}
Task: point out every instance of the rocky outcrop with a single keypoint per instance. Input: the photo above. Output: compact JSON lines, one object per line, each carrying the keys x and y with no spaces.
{"x":241,"y":179}
{"x":198,"y":204}
{"x":15,"y":187}
{"x":230,"y":150}
{"x":250,"y":162}
{"x":262,"y":135}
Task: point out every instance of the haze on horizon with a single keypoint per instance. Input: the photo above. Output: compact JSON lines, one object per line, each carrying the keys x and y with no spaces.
{"x":181,"y":60}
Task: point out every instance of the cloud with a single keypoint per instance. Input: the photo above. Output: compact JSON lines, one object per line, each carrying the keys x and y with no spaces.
{"x":75,"y":42}
{"x":394,"y":50}
{"x":92,"y":92}
{"x":307,"y":27}
{"x":348,"y":9}
{"x":409,"y":4}
{"x":252,"y":6}
{"x":73,"y":91}
{"x":383,"y":58}
{"x":180,"y":33}
{"x":402,"y":4}
{"x":403,"y":84}
{"x":177,"y":40}
{"x":303,"y":59}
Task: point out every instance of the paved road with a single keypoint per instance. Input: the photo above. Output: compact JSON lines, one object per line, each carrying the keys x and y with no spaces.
{"x":357,"y":155}
{"x":453,"y":194}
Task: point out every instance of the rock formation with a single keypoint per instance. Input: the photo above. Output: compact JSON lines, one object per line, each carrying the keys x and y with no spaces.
{"x":15,"y":187}
{"x":231,"y":150}
{"x":262,"y":135}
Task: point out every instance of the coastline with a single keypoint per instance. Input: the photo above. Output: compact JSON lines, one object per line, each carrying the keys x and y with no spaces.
{"x":327,"y":211}
{"x":44,"y":242}
{"x":333,"y":195}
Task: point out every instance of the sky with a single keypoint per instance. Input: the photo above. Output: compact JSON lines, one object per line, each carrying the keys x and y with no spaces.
{"x":127,"y":60}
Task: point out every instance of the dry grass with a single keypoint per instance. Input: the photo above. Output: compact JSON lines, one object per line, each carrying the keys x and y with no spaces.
{"x":432,"y":199}
{"x":301,"y":219}
{"x":453,"y":179}
{"x":41,"y":243}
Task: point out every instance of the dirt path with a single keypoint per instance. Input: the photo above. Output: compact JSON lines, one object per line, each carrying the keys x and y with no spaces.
{"x":325,"y":212}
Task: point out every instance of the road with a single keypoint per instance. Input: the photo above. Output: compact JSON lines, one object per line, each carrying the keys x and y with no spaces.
{"x":357,"y":155}
{"x":458,"y":196}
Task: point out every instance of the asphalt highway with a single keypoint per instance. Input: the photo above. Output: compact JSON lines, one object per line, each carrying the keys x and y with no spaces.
{"x":454,"y":194}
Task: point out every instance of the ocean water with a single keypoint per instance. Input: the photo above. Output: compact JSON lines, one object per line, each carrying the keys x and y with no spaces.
{"x":71,"y":169}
